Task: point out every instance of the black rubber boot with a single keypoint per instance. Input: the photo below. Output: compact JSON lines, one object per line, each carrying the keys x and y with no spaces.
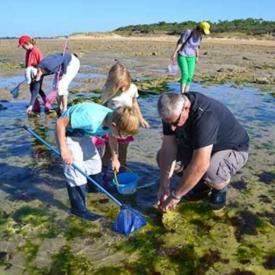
{"x":77,"y":197}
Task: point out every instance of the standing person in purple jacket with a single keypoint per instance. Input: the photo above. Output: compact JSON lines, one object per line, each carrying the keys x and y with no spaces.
{"x":187,"y":53}
{"x":66,"y":66}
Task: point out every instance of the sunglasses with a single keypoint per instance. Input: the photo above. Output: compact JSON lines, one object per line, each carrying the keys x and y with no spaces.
{"x":176,"y":122}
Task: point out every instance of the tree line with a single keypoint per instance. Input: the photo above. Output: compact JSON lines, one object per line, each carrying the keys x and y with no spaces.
{"x":247,"y":26}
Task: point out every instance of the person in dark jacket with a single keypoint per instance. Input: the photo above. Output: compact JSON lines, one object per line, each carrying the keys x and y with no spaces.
{"x":204,"y":143}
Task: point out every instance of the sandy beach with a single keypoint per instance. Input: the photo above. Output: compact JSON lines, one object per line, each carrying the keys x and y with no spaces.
{"x":235,"y":61}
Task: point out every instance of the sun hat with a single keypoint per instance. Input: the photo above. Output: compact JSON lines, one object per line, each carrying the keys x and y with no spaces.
{"x":23,"y":39}
{"x":30,"y":73}
{"x":205,"y":26}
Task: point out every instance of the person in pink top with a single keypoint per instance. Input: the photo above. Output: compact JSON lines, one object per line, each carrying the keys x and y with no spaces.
{"x":32,"y":58}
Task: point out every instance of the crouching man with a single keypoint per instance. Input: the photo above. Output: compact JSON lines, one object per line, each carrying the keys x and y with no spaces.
{"x":203,"y":142}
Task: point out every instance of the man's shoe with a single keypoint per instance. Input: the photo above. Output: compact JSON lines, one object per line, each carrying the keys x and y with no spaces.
{"x":218,"y":199}
{"x":87,"y":215}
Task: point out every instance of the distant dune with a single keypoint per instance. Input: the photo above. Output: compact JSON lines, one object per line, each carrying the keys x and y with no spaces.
{"x":170,"y":38}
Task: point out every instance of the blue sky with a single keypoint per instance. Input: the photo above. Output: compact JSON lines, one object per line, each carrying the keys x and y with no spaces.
{"x":62,"y":17}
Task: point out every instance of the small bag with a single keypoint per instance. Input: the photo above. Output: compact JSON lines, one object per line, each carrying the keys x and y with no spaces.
{"x":173,"y":69}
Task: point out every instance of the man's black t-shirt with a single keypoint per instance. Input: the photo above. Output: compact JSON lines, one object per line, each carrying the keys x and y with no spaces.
{"x":209,"y":122}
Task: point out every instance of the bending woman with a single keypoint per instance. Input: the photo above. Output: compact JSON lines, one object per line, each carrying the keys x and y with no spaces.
{"x":66,"y":66}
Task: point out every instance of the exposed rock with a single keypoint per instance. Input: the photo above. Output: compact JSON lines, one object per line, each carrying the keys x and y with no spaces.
{"x":262,"y":80}
{"x":220,"y":70}
{"x":257,"y":67}
{"x":154,"y":53}
{"x":2,"y":107}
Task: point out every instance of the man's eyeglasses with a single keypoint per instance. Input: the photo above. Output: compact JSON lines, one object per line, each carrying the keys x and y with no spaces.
{"x":176,"y":122}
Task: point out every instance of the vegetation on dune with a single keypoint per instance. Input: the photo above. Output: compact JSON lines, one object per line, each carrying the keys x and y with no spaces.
{"x":247,"y":26}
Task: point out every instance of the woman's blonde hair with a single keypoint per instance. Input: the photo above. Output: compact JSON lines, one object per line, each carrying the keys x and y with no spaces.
{"x":118,"y":81}
{"x":126,"y":120}
{"x":32,"y":41}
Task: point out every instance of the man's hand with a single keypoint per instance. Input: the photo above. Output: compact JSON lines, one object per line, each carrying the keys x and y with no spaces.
{"x":169,"y":204}
{"x":67,"y":156}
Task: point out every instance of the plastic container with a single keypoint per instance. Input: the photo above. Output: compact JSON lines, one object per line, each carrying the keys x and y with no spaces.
{"x":173,"y":69}
{"x":126,"y":183}
{"x":99,"y":142}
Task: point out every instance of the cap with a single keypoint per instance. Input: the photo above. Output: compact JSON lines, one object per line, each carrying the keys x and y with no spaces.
{"x":205,"y":26}
{"x":23,"y":39}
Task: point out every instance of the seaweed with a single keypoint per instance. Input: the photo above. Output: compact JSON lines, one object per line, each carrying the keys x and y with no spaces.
{"x":152,"y":86}
{"x":269,"y":262}
{"x":77,"y":100}
{"x":246,"y":223}
{"x":239,"y":185}
{"x":267,"y":177}
{"x":66,"y":262}
{"x":75,"y":227}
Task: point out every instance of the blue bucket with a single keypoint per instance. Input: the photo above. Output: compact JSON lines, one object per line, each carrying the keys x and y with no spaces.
{"x":126,"y":183}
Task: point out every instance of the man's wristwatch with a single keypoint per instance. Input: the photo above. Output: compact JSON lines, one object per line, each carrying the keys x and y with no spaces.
{"x":174,"y":196}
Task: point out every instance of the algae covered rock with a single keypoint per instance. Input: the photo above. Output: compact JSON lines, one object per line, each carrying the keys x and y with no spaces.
{"x":171,"y":220}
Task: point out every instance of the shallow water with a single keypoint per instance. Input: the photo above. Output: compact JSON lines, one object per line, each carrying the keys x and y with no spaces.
{"x":253,"y":108}
{"x":9,"y":82}
{"x":89,"y":75}
{"x":30,"y":176}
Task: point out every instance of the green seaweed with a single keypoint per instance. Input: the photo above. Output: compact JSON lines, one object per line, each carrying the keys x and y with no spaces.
{"x":247,"y":253}
{"x":77,"y":100}
{"x":146,"y":244}
{"x":27,"y":219}
{"x":112,"y":270}
{"x":152,"y":87}
{"x":66,"y":262}
{"x":29,"y":249}
{"x":75,"y":227}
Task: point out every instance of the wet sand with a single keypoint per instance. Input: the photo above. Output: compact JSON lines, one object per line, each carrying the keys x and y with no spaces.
{"x":221,"y":60}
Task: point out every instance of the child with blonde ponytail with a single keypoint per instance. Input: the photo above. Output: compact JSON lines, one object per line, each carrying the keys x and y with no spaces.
{"x":117,"y":92}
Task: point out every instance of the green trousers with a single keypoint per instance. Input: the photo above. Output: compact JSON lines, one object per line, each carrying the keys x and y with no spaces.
{"x":187,"y":65}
